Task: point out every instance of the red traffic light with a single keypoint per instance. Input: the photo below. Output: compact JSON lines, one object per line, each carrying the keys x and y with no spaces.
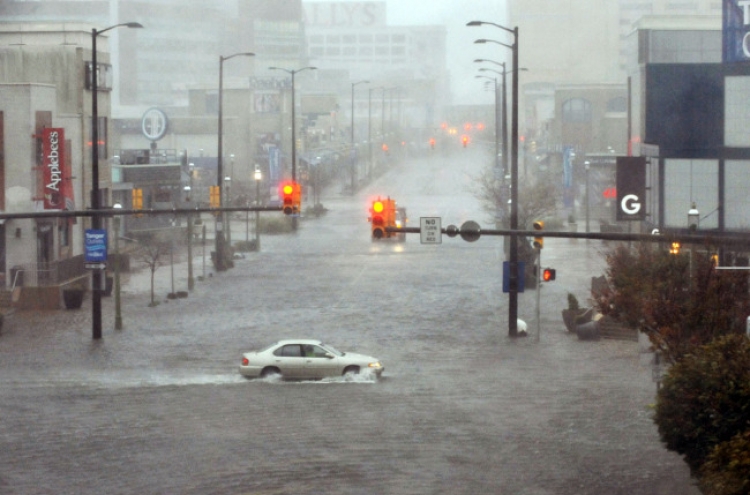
{"x":549,"y":274}
{"x":465,"y":140}
{"x":291,"y":197}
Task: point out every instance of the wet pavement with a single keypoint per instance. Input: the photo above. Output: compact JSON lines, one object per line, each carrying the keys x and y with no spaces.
{"x":159,"y":407}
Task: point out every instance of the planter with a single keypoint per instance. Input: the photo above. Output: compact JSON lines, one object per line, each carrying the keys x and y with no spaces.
{"x":570,"y":317}
{"x":73,"y":298}
{"x":588,"y":331}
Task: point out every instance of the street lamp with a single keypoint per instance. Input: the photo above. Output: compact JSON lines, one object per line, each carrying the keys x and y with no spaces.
{"x":693,"y":218}
{"x":294,"y":124}
{"x":228,"y":224}
{"x":219,"y":165}
{"x":513,"y":262}
{"x":191,"y":280}
{"x":587,"y":165}
{"x":258,"y":178}
{"x":96,"y":219}
{"x":354,"y":165}
{"x":118,"y":313}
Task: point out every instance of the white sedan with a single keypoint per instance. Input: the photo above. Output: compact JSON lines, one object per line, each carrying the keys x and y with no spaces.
{"x":306,"y":359}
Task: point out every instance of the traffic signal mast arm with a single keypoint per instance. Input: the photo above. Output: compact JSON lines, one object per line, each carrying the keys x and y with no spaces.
{"x":726,"y":238}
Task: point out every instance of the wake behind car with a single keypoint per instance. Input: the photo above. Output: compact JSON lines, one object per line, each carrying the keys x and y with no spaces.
{"x":306,"y":359}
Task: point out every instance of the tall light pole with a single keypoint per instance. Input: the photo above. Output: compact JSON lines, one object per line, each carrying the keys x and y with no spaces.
{"x":294,"y":123}
{"x":258,"y":178}
{"x":354,"y":164}
{"x":219,"y":165}
{"x":513,"y":262}
{"x":497,"y":121}
{"x":96,"y":219}
{"x":118,"y":309}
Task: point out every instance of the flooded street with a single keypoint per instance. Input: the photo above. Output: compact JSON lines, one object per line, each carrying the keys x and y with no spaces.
{"x":160,"y":407}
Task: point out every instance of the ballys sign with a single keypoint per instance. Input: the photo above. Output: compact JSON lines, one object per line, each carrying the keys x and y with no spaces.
{"x":57,"y":187}
{"x":736,"y":30}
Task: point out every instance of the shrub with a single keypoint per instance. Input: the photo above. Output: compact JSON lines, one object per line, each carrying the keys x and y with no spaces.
{"x":727,"y":469}
{"x":705,"y":400}
{"x":572,"y":302}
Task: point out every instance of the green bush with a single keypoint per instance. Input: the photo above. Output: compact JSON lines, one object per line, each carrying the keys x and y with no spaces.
{"x":727,"y":469}
{"x":572,"y":302}
{"x":705,"y":401}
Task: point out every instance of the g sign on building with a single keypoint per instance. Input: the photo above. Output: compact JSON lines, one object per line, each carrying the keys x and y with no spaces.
{"x":736,"y":30}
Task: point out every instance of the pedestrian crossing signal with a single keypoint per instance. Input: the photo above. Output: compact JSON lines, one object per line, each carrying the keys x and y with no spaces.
{"x":549,"y":274}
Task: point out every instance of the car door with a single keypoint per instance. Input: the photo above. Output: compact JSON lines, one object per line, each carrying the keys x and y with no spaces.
{"x":318,"y":362}
{"x":290,"y":360}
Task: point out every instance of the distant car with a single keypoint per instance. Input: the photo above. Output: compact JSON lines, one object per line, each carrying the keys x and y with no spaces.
{"x":306,"y":359}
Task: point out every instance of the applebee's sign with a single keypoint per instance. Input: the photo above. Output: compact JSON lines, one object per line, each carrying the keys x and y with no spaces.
{"x":53,"y":149}
{"x":736,"y":30}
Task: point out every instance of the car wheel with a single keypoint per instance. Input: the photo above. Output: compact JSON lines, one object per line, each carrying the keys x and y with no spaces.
{"x":270,"y":372}
{"x":350,"y":371}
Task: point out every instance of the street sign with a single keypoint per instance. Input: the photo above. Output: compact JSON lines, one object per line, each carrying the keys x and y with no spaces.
{"x":94,"y":266}
{"x":430,"y":231}
{"x":95,"y":244}
{"x":521,"y":276}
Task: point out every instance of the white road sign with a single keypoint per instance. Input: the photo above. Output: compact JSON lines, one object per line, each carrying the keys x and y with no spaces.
{"x":430,"y":231}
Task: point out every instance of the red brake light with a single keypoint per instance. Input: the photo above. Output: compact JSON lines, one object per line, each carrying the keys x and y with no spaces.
{"x":245,"y":362}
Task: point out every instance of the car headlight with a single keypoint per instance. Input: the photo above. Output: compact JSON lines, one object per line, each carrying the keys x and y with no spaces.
{"x":375,"y":365}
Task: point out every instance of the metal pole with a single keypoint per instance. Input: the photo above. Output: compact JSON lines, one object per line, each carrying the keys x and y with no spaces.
{"x":538,"y":291}
{"x":351,"y":152}
{"x":219,"y":236}
{"x":257,"y":215}
{"x":513,"y":292}
{"x":505,"y":124}
{"x":96,"y":221}
{"x":118,"y":309}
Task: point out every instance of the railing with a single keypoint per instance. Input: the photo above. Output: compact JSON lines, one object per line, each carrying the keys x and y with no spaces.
{"x":47,"y":273}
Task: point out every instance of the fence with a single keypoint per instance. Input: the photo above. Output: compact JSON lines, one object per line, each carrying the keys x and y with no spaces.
{"x":47,"y":273}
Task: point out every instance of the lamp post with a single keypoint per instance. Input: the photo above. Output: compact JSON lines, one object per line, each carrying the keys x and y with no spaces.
{"x":219,"y":161}
{"x":693,"y":218}
{"x":587,"y":166}
{"x":191,"y":280}
{"x":258,"y":178}
{"x":513,"y":262}
{"x":294,"y":124}
{"x":294,"y":127}
{"x":96,"y":219}
{"x":118,"y":309}
{"x":354,"y":164}
{"x":228,"y":223}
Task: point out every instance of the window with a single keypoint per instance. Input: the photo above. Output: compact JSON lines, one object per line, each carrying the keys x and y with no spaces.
{"x":292,"y":350}
{"x":619,"y":104}
{"x":576,"y":111}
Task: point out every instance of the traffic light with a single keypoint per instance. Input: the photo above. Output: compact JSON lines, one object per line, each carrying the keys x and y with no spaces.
{"x":549,"y":274}
{"x":675,"y":249}
{"x":538,"y":241}
{"x":465,"y":140}
{"x":383,"y":214}
{"x":291,"y":197}
{"x":432,"y":143}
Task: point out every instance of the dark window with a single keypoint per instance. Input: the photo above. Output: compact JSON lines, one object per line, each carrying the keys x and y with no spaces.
{"x":292,"y":350}
{"x":576,"y":111}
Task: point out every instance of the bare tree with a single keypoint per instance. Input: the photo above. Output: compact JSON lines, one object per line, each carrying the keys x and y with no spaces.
{"x":537,"y":197}
{"x":150,"y":251}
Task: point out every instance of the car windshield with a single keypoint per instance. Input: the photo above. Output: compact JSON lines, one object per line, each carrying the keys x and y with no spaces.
{"x":332,"y":350}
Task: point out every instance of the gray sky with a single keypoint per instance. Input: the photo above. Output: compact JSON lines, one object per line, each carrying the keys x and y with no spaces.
{"x":454,"y":14}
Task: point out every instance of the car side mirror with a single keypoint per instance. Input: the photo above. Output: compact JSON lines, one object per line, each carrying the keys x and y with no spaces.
{"x":329,"y":355}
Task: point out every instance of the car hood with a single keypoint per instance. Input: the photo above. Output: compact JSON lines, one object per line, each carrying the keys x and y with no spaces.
{"x":353,"y":356}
